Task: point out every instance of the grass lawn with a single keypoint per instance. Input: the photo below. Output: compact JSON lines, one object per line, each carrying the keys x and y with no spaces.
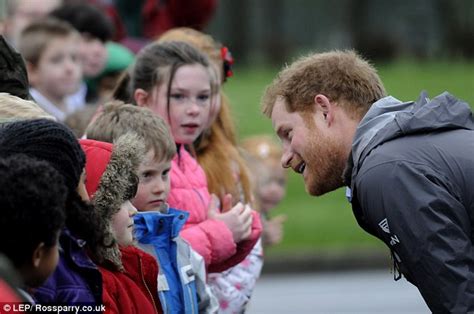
{"x":327,"y":223}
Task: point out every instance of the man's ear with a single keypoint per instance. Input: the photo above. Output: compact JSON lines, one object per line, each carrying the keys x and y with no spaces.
{"x":38,"y":255}
{"x":324,"y":107}
{"x":141,"y":97}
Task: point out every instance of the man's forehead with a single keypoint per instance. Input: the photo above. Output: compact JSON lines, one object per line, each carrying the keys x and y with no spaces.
{"x":281,"y":116}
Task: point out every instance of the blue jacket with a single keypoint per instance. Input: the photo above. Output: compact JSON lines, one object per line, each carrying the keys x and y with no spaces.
{"x":76,"y":278}
{"x":158,"y":234}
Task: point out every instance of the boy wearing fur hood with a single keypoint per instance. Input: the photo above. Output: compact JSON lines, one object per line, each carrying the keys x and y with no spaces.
{"x":182,"y":280}
{"x":129,"y":274}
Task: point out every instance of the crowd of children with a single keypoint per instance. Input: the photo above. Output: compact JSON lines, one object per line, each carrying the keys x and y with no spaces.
{"x":157,"y":208}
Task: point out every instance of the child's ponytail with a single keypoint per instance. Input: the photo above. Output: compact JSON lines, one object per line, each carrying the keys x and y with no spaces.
{"x":122,"y":90}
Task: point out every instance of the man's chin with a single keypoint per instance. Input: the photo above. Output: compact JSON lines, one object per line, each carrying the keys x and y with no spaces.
{"x":315,"y":189}
{"x":312,"y":188}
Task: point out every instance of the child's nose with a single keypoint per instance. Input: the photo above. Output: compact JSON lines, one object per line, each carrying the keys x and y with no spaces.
{"x":193,"y":108}
{"x":132,"y":210}
{"x":159,"y":187}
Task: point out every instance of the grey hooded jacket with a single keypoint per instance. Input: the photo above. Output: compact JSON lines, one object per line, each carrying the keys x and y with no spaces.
{"x":411,"y":174}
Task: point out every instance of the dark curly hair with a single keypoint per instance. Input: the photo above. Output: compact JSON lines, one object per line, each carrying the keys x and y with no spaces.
{"x":32,"y":204}
{"x":55,"y":143}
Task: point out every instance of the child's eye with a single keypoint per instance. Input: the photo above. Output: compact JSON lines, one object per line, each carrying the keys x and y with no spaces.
{"x":75,"y":57}
{"x":177,"y":96}
{"x":56,"y":59}
{"x":146,"y":174}
{"x":165,"y":173}
{"x":203,"y":98}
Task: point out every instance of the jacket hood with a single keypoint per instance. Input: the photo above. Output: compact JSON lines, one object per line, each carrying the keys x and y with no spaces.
{"x":389,"y":118}
{"x":112,"y":176}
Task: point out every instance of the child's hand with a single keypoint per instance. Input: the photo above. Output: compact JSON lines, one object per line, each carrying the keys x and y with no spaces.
{"x":238,"y":219}
{"x":273,"y":230}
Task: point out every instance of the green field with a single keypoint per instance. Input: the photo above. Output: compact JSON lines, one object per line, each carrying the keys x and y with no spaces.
{"x":327,"y":223}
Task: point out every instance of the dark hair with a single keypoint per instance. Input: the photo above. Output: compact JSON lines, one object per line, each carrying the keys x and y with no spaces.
{"x":154,"y":64}
{"x":86,"y":18}
{"x":32,"y":204}
{"x":55,"y":143}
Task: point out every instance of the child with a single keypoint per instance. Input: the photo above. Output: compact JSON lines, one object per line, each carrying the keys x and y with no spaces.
{"x":76,"y":279}
{"x":32,"y":199}
{"x":181,"y":283}
{"x":270,"y":183}
{"x":50,"y":48}
{"x":174,"y":80}
{"x":96,"y":30}
{"x":129,"y":274}
{"x":20,"y":13}
{"x":229,"y":176}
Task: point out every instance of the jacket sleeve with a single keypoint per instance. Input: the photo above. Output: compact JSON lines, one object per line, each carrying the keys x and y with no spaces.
{"x":211,"y":239}
{"x":243,"y":247}
{"x":418,"y":213}
{"x":234,"y":287}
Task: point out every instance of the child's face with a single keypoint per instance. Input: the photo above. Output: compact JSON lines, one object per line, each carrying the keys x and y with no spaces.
{"x":27,"y":11}
{"x":58,"y":72}
{"x":271,"y":186}
{"x":154,"y":185}
{"x":122,"y":224}
{"x":93,"y":55}
{"x":190,"y":99}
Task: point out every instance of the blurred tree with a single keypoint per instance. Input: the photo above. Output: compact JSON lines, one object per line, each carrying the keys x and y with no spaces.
{"x":458,"y":27}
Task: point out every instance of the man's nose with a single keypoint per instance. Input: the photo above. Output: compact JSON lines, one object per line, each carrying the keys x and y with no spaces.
{"x":286,"y":159}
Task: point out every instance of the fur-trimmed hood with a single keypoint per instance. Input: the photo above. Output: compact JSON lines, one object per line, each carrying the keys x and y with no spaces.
{"x":111,"y":172}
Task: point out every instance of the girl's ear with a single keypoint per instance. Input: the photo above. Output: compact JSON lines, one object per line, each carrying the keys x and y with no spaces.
{"x":141,"y":97}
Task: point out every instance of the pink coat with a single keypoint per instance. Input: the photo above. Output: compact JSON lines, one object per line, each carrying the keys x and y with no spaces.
{"x":209,"y":237}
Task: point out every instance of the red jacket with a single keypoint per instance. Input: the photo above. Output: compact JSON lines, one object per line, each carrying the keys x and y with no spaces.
{"x":135,"y":289}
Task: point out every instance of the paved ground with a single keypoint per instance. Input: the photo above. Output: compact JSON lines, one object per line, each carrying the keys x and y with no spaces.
{"x":338,"y":292}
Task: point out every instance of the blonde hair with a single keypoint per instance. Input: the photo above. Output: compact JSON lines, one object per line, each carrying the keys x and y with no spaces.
{"x":13,"y":108}
{"x":80,"y":119}
{"x":36,"y":37}
{"x":262,"y":147}
{"x":118,"y":118}
{"x":342,"y":76}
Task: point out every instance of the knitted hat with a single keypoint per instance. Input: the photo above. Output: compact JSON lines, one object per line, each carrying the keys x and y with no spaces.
{"x":45,"y":140}
{"x":112,"y":177}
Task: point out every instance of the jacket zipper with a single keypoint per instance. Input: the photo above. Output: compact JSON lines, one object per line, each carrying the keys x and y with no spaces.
{"x":146,"y":286}
{"x":191,"y":299}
